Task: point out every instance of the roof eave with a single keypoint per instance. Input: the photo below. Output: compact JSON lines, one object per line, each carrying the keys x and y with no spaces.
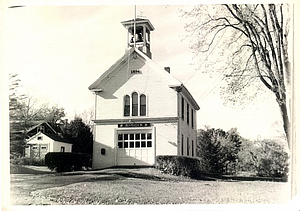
{"x":182,"y":88}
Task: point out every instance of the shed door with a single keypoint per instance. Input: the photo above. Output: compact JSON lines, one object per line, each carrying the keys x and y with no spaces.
{"x":135,"y":148}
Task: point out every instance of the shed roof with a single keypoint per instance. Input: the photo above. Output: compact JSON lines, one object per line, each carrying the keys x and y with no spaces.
{"x":54,"y":137}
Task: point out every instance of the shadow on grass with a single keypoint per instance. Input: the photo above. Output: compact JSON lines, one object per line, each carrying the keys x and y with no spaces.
{"x":18,"y":169}
{"x":232,"y":178}
{"x":120,"y":173}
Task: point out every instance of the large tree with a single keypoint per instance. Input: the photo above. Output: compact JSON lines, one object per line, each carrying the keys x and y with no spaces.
{"x":218,"y":150}
{"x":254,"y":38}
{"x":80,"y":135}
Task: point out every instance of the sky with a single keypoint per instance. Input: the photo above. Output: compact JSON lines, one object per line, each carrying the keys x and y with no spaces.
{"x":58,"y":51}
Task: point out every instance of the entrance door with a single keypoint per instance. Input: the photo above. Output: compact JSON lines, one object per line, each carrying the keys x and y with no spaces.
{"x":135,"y":148}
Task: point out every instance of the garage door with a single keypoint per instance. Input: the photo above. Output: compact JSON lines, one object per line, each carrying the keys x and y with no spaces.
{"x":135,"y":148}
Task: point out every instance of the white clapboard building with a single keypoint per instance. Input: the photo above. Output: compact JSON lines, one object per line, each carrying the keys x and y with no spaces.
{"x":141,"y":110}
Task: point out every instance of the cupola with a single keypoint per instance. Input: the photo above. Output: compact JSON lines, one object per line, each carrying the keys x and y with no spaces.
{"x":138,"y":34}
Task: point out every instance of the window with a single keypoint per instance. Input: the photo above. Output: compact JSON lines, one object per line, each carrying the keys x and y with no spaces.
{"x":193,"y":148}
{"x":182,"y":108}
{"x":188,"y":113}
{"x":44,"y":147}
{"x":136,"y":140}
{"x":39,"y":138}
{"x":134,"y":104}
{"x":62,"y":149}
{"x":182,"y":144}
{"x":127,"y":105}
{"x":192,"y":118}
{"x":143,"y":105}
{"x":187,"y":147}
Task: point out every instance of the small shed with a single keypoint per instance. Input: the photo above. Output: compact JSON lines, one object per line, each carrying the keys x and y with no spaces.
{"x":39,"y":144}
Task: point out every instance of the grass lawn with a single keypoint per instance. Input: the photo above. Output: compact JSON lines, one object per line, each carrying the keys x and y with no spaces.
{"x":146,"y":186}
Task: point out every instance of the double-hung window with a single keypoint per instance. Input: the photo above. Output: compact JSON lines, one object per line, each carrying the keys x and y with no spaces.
{"x":143,"y":105}
{"x":187,"y":113}
{"x":182,"y":108}
{"x":135,"y":104}
{"x":127,"y":105}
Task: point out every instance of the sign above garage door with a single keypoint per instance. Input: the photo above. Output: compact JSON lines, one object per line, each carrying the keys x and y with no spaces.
{"x":134,"y":125}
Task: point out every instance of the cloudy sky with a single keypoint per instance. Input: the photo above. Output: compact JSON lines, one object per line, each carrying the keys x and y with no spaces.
{"x":58,"y":51}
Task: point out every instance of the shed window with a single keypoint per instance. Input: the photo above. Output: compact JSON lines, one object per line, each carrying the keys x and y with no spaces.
{"x":134,"y":104}
{"x":39,"y":138}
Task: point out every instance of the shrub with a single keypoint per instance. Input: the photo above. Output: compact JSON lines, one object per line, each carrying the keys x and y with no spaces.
{"x":274,"y":164}
{"x":178,"y":165}
{"x":67,"y":161}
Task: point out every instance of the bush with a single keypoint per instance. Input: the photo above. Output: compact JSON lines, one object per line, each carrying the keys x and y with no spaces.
{"x":28,"y":161}
{"x":67,"y":161}
{"x":178,"y":165}
{"x":274,"y":164}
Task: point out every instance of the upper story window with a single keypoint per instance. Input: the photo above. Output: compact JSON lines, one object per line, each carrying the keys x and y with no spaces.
{"x":143,"y":105}
{"x":135,"y":105}
{"x":126,"y":105}
{"x":182,"y":107}
{"x":192,"y":118}
{"x":188,"y":113}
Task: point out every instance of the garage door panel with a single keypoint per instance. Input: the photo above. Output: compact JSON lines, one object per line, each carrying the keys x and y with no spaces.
{"x":138,"y":150}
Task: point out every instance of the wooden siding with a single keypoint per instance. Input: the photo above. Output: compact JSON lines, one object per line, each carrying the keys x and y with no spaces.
{"x":161,"y":100}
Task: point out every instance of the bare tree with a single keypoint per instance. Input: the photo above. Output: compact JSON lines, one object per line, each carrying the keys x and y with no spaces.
{"x":255,"y":40}
{"x":87,"y":117}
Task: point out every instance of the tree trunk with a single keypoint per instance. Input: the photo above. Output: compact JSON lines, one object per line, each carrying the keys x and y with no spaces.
{"x":286,"y":122}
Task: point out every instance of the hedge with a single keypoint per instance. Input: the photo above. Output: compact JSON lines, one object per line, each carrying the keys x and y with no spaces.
{"x":67,"y":161}
{"x":178,"y":165}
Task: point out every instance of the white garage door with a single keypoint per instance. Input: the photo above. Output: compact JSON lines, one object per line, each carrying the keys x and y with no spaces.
{"x":135,"y":148}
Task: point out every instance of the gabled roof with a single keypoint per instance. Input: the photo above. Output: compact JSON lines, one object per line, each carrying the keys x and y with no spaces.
{"x":54,"y":137}
{"x":173,"y":82}
{"x":96,"y":86}
{"x":32,"y":128}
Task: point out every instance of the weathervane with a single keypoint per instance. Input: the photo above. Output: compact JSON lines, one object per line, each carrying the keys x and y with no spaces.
{"x":141,"y":15}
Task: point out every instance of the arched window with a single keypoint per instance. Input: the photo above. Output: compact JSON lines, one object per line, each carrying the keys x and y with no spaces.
{"x":126,"y":105}
{"x":143,"y":105}
{"x":135,"y":104}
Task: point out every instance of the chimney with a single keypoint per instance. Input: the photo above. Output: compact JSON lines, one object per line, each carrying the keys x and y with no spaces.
{"x":167,"y":69}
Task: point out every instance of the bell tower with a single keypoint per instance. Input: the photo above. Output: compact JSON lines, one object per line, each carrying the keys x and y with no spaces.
{"x":138,"y":34}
